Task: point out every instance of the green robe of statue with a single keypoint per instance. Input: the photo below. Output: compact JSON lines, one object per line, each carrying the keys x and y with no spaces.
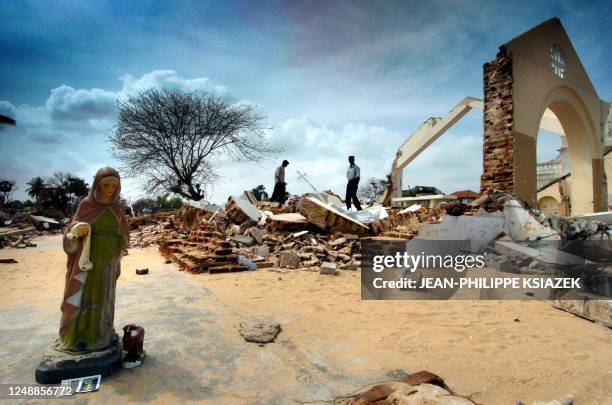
{"x":93,"y":328}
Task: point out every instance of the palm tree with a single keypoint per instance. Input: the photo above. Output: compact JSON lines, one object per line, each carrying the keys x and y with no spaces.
{"x":36,"y":186}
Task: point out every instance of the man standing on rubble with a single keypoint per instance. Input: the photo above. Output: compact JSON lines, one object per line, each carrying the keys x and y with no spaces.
{"x":353,"y":174}
{"x":280,"y":189}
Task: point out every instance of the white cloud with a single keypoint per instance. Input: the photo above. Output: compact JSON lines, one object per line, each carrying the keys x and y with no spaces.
{"x":67,"y":103}
{"x":169,"y":79}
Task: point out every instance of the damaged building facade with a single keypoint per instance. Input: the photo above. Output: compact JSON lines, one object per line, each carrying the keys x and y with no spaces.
{"x":536,"y":82}
{"x":536,"y":72}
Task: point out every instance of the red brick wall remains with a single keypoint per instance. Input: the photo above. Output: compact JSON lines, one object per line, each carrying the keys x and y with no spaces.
{"x":498,"y":145}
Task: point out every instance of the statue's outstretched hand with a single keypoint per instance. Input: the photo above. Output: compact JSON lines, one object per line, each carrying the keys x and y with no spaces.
{"x":82,"y":230}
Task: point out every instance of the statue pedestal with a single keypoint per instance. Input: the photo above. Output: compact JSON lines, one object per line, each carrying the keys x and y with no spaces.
{"x":57,"y":365}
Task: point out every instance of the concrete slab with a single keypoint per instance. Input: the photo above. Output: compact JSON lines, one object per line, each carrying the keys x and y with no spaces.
{"x":480,"y":230}
{"x":522,"y":226}
{"x":326,"y":217}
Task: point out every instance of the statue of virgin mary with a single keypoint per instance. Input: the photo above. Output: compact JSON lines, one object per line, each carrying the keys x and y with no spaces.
{"x":94,"y":241}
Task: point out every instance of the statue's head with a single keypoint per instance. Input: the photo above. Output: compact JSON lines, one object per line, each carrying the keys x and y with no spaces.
{"x":106,"y":186}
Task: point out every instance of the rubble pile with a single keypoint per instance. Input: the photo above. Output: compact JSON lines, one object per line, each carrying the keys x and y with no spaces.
{"x":19,"y":239}
{"x":151,"y":229}
{"x":308,"y":232}
{"x":305,"y":233}
{"x":304,"y":249}
{"x":204,"y":250}
{"x":402,"y":224}
{"x":19,"y":226}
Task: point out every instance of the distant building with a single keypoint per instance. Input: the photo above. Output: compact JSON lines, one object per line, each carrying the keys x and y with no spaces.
{"x":418,"y":191}
{"x":429,"y":201}
{"x":465,"y":196}
{"x":426,"y":196}
{"x":554,"y":181}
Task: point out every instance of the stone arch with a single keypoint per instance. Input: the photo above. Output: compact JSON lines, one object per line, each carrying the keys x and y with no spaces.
{"x":519,"y":85}
{"x":586,"y":159}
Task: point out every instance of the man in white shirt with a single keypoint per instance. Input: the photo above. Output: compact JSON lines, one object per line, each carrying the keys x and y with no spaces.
{"x":353,"y":175}
{"x":280,"y":189}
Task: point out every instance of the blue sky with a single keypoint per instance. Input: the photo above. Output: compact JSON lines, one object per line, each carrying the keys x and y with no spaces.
{"x":333,"y":78}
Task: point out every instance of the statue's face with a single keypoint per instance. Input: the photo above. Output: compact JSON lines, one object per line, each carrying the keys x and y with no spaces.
{"x":108,"y":186}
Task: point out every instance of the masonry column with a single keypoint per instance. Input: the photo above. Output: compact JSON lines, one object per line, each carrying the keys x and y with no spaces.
{"x":498,"y":145}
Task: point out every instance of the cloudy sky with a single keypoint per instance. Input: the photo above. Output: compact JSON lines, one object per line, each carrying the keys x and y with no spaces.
{"x":333,"y":78}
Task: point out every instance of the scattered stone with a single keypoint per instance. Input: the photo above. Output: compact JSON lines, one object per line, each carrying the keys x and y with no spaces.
{"x":239,"y":210}
{"x":256,"y":234}
{"x":306,"y":256}
{"x":339,"y":241}
{"x":289,"y":259}
{"x":259,"y":331}
{"x":286,"y":222}
{"x":8,"y":261}
{"x":263,"y":251}
{"x":310,"y":263}
{"x":328,"y":268}
{"x":346,"y":250}
{"x":233,"y":229}
{"x":142,"y":272}
{"x":328,"y":218}
{"x":244,"y":240}
{"x":289,"y":246}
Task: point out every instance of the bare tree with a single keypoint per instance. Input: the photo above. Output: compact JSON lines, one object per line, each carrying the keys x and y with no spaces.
{"x":371,"y":190}
{"x":169,"y":138}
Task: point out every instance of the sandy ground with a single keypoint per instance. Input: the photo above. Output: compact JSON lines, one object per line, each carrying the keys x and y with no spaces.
{"x":332,"y":343}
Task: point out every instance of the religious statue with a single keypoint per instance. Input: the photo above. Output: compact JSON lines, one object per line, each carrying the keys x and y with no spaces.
{"x":94,"y":240}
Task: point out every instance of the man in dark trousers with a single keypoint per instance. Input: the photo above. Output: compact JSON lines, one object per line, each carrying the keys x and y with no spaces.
{"x":353,"y":174}
{"x":280,"y":189}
